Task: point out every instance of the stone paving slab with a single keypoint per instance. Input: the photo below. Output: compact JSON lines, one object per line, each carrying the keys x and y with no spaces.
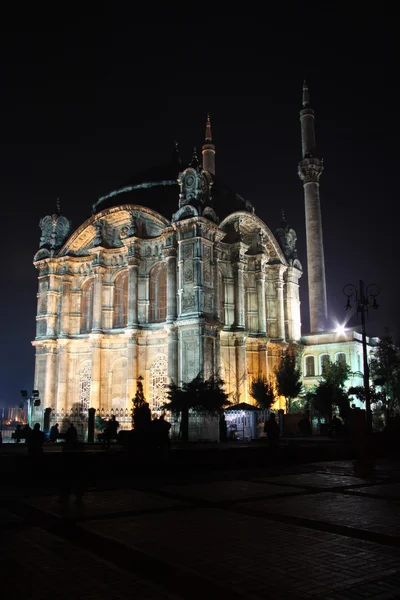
{"x":221,"y":491}
{"x":106,"y":503}
{"x":255,"y":557}
{"x":37,"y":565}
{"x":369,"y":514}
{"x":387,"y":490}
{"x":318,"y":480}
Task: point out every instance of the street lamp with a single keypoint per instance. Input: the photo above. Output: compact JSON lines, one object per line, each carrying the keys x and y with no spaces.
{"x":364,"y":298}
{"x":32,"y":400}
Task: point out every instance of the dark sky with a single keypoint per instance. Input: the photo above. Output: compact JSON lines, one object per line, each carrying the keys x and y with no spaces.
{"x":86,"y":104}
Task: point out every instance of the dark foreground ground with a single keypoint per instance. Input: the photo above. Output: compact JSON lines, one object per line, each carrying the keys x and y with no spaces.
{"x":273,"y":530}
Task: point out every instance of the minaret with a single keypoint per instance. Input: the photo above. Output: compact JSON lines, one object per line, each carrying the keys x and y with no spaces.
{"x":208,"y":150}
{"x":309,"y":171}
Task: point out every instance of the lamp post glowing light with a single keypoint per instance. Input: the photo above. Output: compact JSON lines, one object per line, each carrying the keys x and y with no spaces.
{"x":364,"y":298}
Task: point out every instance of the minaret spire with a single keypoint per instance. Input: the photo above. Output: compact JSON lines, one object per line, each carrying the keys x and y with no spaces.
{"x":306,"y":95}
{"x":208,"y":149}
{"x":309,"y":171}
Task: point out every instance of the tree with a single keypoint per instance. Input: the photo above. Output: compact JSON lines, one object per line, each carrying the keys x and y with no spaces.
{"x":385,"y":373}
{"x":141,"y":414}
{"x":288,"y":377}
{"x":330,"y":391}
{"x":201,"y":396}
{"x":262,"y":392}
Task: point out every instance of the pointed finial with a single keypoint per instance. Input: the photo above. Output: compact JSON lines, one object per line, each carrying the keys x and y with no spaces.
{"x":58,"y":208}
{"x":176,"y":152}
{"x":195,"y":160}
{"x":306,"y":95}
{"x":208,"y":137}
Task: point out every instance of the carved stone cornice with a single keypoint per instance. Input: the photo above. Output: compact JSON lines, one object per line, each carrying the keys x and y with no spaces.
{"x":310,"y":170}
{"x":99,"y":269}
{"x":169,"y":252}
{"x":133,"y":261}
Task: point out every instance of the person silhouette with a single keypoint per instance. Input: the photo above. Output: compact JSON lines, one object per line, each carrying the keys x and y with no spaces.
{"x":35,"y":441}
{"x":271,"y":428}
{"x":54,"y":433}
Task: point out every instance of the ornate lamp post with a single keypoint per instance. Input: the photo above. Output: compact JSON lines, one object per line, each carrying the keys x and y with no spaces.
{"x":364,"y":298}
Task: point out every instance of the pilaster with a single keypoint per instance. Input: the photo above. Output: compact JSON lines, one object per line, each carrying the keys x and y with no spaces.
{"x":97,"y":299}
{"x":133,"y":266}
{"x":170,"y":256}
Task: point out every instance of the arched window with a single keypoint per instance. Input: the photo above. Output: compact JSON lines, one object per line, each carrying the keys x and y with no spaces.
{"x":121,"y":300}
{"x":85,"y":378}
{"x":158,"y":382}
{"x":358,"y":362}
{"x":310,"y":366}
{"x":87,"y":307}
{"x":158,"y":294}
{"x":324,"y":362}
{"x":221,"y":308}
{"x":341,"y":358}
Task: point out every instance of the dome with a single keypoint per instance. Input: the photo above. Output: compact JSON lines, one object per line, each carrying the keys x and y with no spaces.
{"x":158,"y":188}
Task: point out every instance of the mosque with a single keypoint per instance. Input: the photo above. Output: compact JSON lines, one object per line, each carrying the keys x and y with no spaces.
{"x":173,"y":275}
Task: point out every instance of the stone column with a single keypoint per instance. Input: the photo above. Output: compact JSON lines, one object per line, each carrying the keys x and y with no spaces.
{"x":293,"y":303}
{"x":133,"y":266}
{"x":216,"y":286}
{"x":170,"y":256}
{"x":53,"y":294}
{"x":172,"y":353}
{"x":241,"y":371}
{"x":97,"y":300}
{"x":62,"y":376}
{"x":132,"y":367}
{"x":280,"y":307}
{"x":48,"y":395}
{"x":262,"y":323}
{"x":238,"y":269}
{"x":65,"y":305}
{"x":96,"y":371}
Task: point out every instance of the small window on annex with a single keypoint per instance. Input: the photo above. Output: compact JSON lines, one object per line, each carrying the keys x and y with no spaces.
{"x":87,"y":307}
{"x":310,"y":366}
{"x":324,"y":362}
{"x":158,"y":294}
{"x":341,"y":358}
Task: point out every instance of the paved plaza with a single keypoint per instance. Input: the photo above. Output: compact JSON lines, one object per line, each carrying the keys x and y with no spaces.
{"x":308,"y":531}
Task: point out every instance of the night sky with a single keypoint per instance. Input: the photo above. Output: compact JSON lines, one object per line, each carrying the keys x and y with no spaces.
{"x":87,"y":106}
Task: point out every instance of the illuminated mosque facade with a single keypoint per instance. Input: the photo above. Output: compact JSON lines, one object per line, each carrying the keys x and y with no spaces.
{"x":175,"y":275}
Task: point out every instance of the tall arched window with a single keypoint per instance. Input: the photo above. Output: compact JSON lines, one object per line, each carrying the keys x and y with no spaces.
{"x":121,"y":300}
{"x":310,"y":366}
{"x":324,"y":362}
{"x":158,"y":382}
{"x":85,"y":378}
{"x":87,"y":307}
{"x":158,"y":294}
{"x":341,"y":358}
{"x":221,"y":290}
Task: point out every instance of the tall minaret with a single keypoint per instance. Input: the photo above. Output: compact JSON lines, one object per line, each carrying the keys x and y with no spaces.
{"x":208,"y":149}
{"x":309,"y":171}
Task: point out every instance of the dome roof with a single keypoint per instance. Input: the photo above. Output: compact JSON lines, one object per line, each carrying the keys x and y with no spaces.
{"x":157,"y":188}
